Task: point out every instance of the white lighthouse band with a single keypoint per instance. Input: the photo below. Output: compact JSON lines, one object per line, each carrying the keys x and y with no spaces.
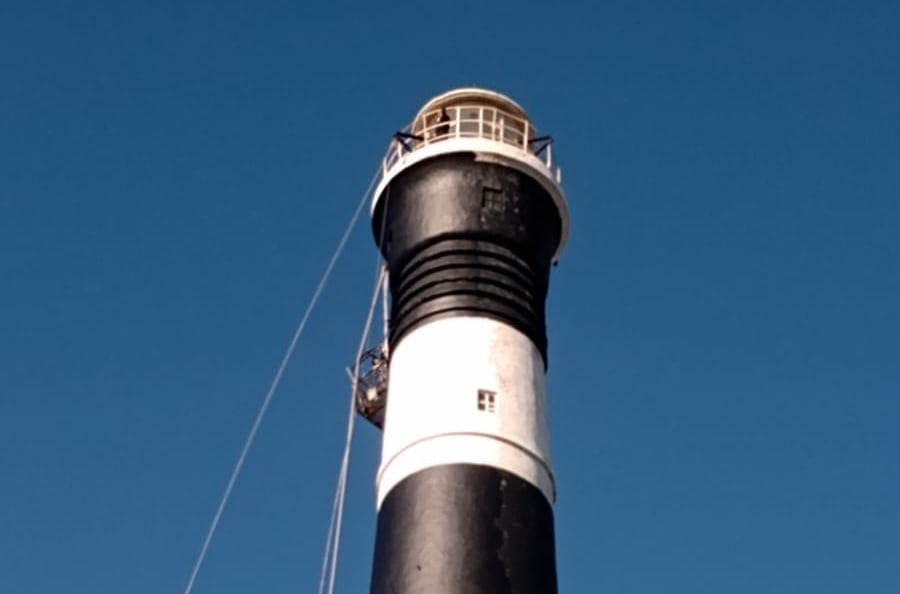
{"x":466,"y":390}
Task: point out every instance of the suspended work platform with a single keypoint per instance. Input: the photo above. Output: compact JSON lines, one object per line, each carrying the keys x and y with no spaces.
{"x":372,"y":385}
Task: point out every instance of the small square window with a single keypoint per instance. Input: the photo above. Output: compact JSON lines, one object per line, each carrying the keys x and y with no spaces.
{"x":493,"y":199}
{"x":487,"y":401}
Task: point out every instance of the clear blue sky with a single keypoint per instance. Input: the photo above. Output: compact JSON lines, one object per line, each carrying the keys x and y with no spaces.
{"x":725,"y":323}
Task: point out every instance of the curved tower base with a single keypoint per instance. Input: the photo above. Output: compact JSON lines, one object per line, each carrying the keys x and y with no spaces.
{"x":464,"y":529}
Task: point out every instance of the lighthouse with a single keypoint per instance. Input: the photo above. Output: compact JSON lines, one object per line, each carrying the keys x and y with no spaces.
{"x":469,"y":216}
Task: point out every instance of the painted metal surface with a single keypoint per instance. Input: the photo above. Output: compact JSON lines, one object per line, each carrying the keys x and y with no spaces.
{"x":466,"y":390}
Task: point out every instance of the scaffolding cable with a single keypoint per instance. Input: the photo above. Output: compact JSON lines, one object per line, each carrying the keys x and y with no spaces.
{"x":276,"y":381}
{"x":333,"y":541}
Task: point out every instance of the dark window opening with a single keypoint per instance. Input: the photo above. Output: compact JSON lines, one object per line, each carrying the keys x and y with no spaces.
{"x":487,"y":401}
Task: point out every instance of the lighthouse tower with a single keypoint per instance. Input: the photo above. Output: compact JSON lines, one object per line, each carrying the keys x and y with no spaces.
{"x":469,"y":216}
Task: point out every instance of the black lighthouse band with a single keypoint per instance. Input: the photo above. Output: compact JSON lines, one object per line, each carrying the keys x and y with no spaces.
{"x":463,"y":237}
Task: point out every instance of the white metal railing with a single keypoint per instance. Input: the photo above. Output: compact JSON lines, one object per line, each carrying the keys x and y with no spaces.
{"x":471,"y":121}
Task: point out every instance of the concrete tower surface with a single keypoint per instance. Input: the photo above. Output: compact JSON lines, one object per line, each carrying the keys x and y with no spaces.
{"x":469,"y":216}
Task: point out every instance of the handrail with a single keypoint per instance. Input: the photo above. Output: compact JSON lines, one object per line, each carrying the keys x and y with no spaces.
{"x":470,"y":121}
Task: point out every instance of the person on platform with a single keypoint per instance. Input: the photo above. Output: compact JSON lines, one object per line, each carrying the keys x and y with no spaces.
{"x":443,"y":128}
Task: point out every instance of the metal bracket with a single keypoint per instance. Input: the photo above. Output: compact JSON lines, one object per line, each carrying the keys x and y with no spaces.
{"x":545,"y":142}
{"x":403,"y":138}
